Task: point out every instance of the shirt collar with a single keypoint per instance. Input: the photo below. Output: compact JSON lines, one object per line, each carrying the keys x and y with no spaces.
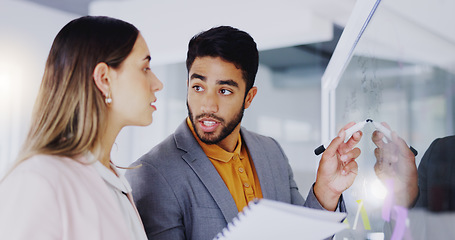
{"x":213,"y":151}
{"x":116,"y":181}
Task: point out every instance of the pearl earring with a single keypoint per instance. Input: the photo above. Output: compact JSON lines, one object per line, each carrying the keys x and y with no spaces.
{"x":108,"y":99}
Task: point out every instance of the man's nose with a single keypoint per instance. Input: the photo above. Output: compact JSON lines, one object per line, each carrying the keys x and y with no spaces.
{"x":210,"y":103}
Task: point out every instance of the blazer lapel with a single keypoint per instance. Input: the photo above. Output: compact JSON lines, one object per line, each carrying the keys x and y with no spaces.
{"x":261,"y":164}
{"x":204,"y":169}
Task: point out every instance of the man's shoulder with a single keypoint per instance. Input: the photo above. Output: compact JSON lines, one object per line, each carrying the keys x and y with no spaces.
{"x":251,"y":136}
{"x":171,"y":149}
{"x":441,"y":150}
{"x":444,"y":144}
{"x":165,"y":148}
{"x":448,"y":139}
{"x":163,"y":161}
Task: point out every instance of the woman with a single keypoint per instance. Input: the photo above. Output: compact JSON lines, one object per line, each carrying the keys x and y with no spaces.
{"x":97,"y":80}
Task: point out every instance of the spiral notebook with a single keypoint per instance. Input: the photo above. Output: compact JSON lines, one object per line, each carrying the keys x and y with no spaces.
{"x":268,"y":219}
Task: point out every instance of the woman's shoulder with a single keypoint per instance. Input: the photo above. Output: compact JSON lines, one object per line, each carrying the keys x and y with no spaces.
{"x":50,"y":166}
{"x":61,"y":174}
{"x":45,"y":160}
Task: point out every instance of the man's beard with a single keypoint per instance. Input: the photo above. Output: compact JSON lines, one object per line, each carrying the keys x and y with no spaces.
{"x":227,"y":128}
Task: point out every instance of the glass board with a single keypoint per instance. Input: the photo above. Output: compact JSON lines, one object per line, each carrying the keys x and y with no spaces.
{"x":395,"y":63}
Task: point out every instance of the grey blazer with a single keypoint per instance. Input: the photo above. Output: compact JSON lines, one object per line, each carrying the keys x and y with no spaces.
{"x":180,"y":195}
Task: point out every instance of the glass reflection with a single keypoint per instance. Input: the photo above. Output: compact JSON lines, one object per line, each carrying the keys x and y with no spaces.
{"x":403,"y":74}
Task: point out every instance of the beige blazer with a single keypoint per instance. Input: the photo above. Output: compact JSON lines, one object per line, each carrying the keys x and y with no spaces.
{"x":50,"y":197}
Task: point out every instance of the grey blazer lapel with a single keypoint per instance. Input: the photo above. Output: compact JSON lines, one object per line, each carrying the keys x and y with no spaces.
{"x":261,"y":163}
{"x":204,"y":169}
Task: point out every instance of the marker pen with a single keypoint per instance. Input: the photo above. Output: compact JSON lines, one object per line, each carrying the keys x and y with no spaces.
{"x":358,"y":126}
{"x":388,"y":134}
{"x":383,"y":129}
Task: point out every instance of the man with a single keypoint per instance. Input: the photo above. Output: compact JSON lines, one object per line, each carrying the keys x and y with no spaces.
{"x":198,"y":179}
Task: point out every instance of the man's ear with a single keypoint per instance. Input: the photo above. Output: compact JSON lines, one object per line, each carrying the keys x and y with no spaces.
{"x":249,"y":96}
{"x":101,"y":78}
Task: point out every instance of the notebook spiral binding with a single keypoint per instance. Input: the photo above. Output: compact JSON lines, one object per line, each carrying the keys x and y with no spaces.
{"x":239,"y":218}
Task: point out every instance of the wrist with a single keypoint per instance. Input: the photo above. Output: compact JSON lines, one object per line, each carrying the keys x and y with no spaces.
{"x":408,"y":198}
{"x":326,"y":197}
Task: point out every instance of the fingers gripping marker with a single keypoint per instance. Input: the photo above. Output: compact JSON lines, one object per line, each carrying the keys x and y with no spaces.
{"x":359,"y":126}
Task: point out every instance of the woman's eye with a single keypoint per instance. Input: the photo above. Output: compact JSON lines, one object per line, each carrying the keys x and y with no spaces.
{"x":225,"y":92}
{"x":146,"y":69}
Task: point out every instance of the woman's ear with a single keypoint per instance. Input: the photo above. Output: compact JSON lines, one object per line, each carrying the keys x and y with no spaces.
{"x":101,"y":78}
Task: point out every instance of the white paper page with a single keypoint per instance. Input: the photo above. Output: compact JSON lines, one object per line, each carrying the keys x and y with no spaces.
{"x":275,"y":220}
{"x":305,"y":211}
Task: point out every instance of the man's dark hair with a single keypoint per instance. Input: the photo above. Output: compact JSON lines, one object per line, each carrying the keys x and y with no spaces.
{"x":230,"y":44}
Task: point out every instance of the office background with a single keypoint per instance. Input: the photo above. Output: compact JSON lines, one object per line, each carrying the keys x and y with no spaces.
{"x":401,"y":71}
{"x":295,"y":38}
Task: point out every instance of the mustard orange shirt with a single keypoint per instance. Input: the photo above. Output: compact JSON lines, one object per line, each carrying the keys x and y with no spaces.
{"x":235,"y":168}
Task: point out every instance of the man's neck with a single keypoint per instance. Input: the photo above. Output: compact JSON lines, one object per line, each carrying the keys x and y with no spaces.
{"x":230,"y":142}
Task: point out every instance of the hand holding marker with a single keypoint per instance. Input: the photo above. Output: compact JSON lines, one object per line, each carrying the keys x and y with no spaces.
{"x":358,"y":126}
{"x":388,"y":134}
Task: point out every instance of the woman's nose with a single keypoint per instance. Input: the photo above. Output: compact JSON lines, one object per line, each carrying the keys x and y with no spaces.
{"x":156,"y":85}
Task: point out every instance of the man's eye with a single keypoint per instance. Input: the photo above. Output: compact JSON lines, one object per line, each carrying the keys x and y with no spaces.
{"x":198,"y":88}
{"x":225,"y":92}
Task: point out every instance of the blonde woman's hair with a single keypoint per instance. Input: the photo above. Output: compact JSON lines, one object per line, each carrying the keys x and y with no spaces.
{"x":69,"y":112}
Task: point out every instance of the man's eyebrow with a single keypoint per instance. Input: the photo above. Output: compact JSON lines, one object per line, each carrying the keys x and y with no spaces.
{"x":197,"y":76}
{"x":229,"y":82}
